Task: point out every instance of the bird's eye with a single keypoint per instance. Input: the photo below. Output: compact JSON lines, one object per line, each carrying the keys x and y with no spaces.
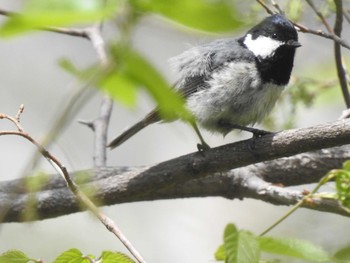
{"x":274,"y":35}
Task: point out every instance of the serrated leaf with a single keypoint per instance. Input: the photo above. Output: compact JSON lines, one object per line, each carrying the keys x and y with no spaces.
{"x":14,"y":256}
{"x":71,"y":256}
{"x":213,"y":16}
{"x":115,"y":257}
{"x":239,"y":246}
{"x":39,"y":14}
{"x":231,"y":242}
{"x":293,"y":248}
{"x":343,"y":254}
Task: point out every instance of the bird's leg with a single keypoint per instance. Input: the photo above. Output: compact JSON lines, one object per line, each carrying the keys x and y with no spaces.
{"x":257,"y":133}
{"x":203,"y":145}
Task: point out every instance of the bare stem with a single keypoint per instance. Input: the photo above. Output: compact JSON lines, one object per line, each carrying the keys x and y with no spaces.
{"x":15,"y":120}
{"x":100,"y":124}
{"x":266,"y":7}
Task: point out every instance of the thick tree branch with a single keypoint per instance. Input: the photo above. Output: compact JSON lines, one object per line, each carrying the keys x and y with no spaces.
{"x":196,"y":175}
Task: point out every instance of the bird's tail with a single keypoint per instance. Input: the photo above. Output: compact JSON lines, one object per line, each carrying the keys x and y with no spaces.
{"x":152,"y":117}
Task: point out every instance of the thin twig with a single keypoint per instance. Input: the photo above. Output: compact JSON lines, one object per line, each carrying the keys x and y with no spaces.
{"x":305,"y":29}
{"x":278,"y":8}
{"x":306,"y":198}
{"x":337,"y":53}
{"x":19,"y":112}
{"x":6,"y":13}
{"x":266,"y":7}
{"x":320,"y":15}
{"x":323,"y":34}
{"x":76,"y":32}
{"x":15,"y":120}
{"x":346,"y":15}
{"x":66,"y":31}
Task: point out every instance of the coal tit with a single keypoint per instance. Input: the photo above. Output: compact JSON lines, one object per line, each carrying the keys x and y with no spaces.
{"x":230,"y":83}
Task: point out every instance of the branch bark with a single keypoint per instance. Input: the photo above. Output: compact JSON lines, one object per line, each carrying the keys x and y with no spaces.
{"x":230,"y":171}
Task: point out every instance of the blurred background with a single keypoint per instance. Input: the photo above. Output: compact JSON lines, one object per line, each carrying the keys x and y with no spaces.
{"x":172,"y":231}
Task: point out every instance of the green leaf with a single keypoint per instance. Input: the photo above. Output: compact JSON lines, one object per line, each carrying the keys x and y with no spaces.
{"x":72,"y":256}
{"x":343,"y":254}
{"x":39,"y":14}
{"x":133,"y":70}
{"x":231,"y":242}
{"x":89,"y":75}
{"x":68,"y":66}
{"x":220,"y":253}
{"x":249,"y":250}
{"x":36,"y":182}
{"x":14,"y":256}
{"x":219,"y":15}
{"x":293,"y":248}
{"x":239,"y":246}
{"x":115,"y":257}
{"x":120,"y":88}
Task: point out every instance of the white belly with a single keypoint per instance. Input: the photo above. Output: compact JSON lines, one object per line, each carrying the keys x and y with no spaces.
{"x":236,"y":96}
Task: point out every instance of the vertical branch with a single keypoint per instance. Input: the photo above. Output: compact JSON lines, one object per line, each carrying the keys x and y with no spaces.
{"x":100,"y":124}
{"x":337,"y":52}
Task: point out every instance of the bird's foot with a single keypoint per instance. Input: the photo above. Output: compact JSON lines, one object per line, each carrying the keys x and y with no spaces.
{"x":202,"y":146}
{"x":257,"y":134}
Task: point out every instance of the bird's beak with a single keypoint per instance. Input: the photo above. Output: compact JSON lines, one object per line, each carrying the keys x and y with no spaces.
{"x":293,"y":44}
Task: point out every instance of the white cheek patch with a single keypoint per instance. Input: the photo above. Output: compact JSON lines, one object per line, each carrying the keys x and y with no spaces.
{"x":262,"y":46}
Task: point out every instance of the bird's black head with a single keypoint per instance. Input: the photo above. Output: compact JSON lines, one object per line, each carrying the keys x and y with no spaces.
{"x":273,"y":42}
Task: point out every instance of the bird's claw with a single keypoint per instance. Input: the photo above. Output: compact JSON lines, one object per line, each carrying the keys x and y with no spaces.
{"x":202,"y":147}
{"x":257,"y":134}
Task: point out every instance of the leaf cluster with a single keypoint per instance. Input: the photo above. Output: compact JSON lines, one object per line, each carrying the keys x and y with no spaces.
{"x":72,"y":255}
{"x":241,"y":246}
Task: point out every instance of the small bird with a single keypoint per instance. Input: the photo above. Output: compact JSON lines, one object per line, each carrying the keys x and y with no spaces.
{"x":234,"y":82}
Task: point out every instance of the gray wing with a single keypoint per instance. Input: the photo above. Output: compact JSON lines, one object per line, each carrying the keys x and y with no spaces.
{"x":197,"y":64}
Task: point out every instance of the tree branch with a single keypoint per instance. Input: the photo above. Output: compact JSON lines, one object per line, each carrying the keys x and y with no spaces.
{"x":79,"y":197}
{"x":100,"y":124}
{"x":320,"y":16}
{"x":337,"y":52}
{"x":196,"y":175}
